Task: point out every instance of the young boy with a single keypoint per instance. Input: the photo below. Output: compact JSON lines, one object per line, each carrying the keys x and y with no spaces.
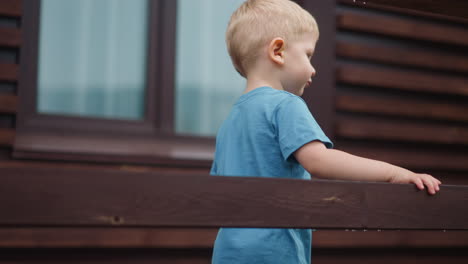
{"x":271,"y":133}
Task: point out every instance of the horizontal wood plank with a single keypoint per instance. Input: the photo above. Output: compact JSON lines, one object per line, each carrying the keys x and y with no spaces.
{"x":10,"y":8}
{"x":402,"y":56}
{"x":400,"y":27}
{"x":8,"y":72}
{"x":455,"y":8}
{"x":10,"y":37}
{"x":381,"y":129}
{"x":66,"y":237}
{"x":403,"y":80}
{"x":15,"y":163}
{"x":419,"y":158}
{"x":61,"y":197}
{"x":7,"y":137}
{"x":389,"y":239}
{"x":8,"y":103}
{"x":401,"y":107}
{"x":451,"y":10}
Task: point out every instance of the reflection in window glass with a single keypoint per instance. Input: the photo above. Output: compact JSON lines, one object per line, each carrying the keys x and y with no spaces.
{"x":207,"y":84}
{"x":92,"y":58}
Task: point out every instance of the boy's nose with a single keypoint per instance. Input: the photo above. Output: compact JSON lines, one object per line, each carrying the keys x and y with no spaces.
{"x":313,"y":72}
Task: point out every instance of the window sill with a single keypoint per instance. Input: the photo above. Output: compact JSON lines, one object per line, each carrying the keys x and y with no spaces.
{"x":163,"y":150}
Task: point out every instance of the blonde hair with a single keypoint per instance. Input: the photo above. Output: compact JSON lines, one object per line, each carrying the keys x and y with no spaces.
{"x":256,"y":22}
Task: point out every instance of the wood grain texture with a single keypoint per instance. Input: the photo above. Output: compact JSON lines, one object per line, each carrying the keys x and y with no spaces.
{"x":392,"y":256}
{"x":121,"y":237}
{"x":402,"y":56}
{"x":61,"y":197}
{"x":8,"y":72}
{"x":66,"y":237}
{"x":7,"y":137}
{"x":456,"y":8}
{"x":402,"y":107}
{"x":398,"y":27}
{"x":203,"y":256}
{"x":10,"y":8}
{"x":100,"y":256}
{"x":10,"y":37}
{"x":420,"y":158}
{"x":408,"y":131}
{"x":402,"y":80}
{"x":415,"y":10}
{"x":8,"y":103}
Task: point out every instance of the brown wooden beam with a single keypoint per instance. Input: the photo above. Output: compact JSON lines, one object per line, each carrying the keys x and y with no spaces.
{"x":419,"y":12}
{"x":409,"y":131}
{"x":8,"y":72}
{"x":7,"y":137}
{"x":122,"y":237}
{"x":456,"y":8}
{"x":10,"y":8}
{"x":8,"y":103}
{"x":402,"y":107}
{"x":399,"y":79}
{"x":402,"y":56}
{"x":421,"y":158}
{"x":10,"y":37}
{"x":400,"y":27}
{"x":61,"y":197}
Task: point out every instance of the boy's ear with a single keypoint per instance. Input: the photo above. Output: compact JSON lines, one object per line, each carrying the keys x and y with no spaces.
{"x":276,"y":50}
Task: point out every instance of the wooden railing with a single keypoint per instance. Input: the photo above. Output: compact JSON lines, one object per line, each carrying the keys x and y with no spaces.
{"x":48,"y":197}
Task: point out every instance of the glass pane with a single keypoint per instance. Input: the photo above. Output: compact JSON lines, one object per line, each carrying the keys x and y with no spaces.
{"x":206,"y":82}
{"x":92,"y":58}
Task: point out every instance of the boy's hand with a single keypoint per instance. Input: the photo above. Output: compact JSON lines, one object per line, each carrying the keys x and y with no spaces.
{"x":419,"y":180}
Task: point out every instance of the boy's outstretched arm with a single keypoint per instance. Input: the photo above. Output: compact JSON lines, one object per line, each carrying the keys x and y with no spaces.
{"x":338,"y":165}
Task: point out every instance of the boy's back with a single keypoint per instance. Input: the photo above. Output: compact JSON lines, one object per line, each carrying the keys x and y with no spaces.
{"x":258,"y":138}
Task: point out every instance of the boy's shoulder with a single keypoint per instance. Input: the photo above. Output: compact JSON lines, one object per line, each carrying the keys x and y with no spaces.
{"x":269,"y":96}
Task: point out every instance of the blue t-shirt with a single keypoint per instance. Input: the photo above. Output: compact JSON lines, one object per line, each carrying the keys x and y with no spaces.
{"x":263,"y":130}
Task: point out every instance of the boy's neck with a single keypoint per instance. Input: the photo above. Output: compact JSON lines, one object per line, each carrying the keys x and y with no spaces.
{"x":254,"y":82}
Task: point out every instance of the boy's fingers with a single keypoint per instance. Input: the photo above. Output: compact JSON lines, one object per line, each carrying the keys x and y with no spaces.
{"x":419,"y":183}
{"x":430,"y":185}
{"x":436,"y":184}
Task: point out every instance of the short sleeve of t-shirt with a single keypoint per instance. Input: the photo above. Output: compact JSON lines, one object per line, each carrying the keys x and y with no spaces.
{"x":295,"y":126}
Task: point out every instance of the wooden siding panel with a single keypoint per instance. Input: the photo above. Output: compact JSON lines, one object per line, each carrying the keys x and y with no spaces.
{"x":375,"y":128}
{"x":398,"y":27}
{"x":8,"y":103}
{"x":417,"y":158}
{"x":402,"y":93}
{"x":402,"y":79}
{"x":454,"y":8}
{"x":10,"y":8}
{"x":7,"y":137}
{"x":68,"y":237}
{"x":10,"y":37}
{"x":402,"y":56}
{"x":8,"y":72}
{"x":402,"y":107}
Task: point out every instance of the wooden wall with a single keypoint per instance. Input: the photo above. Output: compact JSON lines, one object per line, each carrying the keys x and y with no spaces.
{"x":401,"y":96}
{"x":402,"y":89}
{"x":10,"y":40}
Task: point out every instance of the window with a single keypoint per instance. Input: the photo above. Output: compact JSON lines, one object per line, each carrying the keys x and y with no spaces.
{"x":136,"y":81}
{"x":92,"y":58}
{"x":206,"y":82}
